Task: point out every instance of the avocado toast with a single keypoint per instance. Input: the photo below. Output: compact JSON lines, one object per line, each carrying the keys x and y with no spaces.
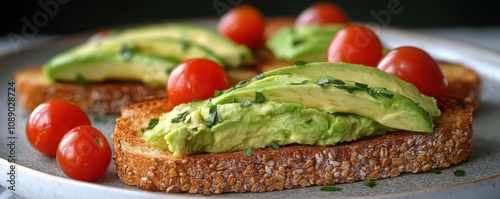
{"x":288,"y":165}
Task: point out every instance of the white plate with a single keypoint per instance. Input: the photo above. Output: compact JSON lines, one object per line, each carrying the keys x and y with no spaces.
{"x":37,"y":176}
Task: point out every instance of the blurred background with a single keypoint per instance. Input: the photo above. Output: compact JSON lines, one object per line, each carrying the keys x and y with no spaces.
{"x":69,"y":16}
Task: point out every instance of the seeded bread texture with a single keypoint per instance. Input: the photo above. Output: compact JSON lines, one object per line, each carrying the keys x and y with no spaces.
{"x":294,"y":166}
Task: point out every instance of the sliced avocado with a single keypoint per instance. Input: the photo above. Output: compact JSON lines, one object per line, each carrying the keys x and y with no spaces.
{"x":307,"y":43}
{"x":365,"y":75}
{"x":167,"y":47}
{"x":239,"y":128}
{"x":97,"y":67}
{"x":233,"y":54}
{"x":336,"y":96}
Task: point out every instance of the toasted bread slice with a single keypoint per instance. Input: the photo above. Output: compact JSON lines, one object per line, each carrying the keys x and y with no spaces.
{"x":293,"y":166}
{"x":34,"y":88}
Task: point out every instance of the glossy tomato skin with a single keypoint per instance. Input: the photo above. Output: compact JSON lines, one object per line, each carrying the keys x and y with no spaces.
{"x":48,"y":123}
{"x":322,"y":13}
{"x":195,"y":79}
{"x":355,"y":44}
{"x":84,"y":153}
{"x":417,"y":67}
{"x":244,"y":25}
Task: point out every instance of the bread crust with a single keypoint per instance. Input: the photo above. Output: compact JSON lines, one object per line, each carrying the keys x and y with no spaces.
{"x":293,"y":166}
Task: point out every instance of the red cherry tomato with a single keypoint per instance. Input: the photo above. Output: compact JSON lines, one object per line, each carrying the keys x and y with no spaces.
{"x":322,"y":13}
{"x":195,"y":79}
{"x":84,"y":153}
{"x":355,"y":44}
{"x":244,"y":25}
{"x":417,"y":67}
{"x":48,"y":123}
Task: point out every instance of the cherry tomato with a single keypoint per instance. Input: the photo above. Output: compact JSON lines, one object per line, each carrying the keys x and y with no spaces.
{"x":195,"y":79}
{"x":244,"y":25}
{"x":417,"y":67}
{"x":48,"y":123}
{"x":84,"y":153}
{"x":355,"y":44}
{"x":322,"y":13}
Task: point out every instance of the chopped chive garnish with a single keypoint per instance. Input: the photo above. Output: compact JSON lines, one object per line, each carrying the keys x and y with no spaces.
{"x":360,"y":85}
{"x":213,"y":116}
{"x":299,"y":63}
{"x":80,"y":80}
{"x":274,"y":145}
{"x":387,"y":95}
{"x":248,"y":152}
{"x":370,"y":183}
{"x":245,"y":103}
{"x":435,"y":171}
{"x":259,"y":98}
{"x":185,"y":45}
{"x":297,"y":42}
{"x":125,"y":52}
{"x":152,"y":123}
{"x":218,"y":93}
{"x":459,"y":173}
{"x":330,"y":189}
{"x":180,"y":117}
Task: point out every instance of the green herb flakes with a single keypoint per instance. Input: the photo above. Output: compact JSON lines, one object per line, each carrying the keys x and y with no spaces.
{"x":213,"y":116}
{"x":125,"y":52}
{"x":194,"y":129}
{"x":330,"y":188}
{"x":459,"y":173}
{"x":435,"y":171}
{"x":248,"y":152}
{"x":185,"y":45}
{"x":325,"y":81}
{"x":370,"y":183}
{"x":180,"y":117}
{"x":309,"y":121}
{"x":152,"y":123}
{"x":80,"y":80}
{"x":274,"y":145}
{"x":218,"y":93}
{"x":259,"y":98}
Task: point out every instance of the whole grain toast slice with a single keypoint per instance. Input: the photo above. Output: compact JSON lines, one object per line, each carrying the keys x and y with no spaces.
{"x":34,"y":88}
{"x":293,"y":166}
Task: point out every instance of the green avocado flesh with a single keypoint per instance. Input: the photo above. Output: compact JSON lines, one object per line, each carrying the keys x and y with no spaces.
{"x":233,"y":54}
{"x":152,"y":70}
{"x":238,"y":128}
{"x":307,"y":43}
{"x":290,"y":108}
{"x":165,"y":47}
{"x":126,"y":55}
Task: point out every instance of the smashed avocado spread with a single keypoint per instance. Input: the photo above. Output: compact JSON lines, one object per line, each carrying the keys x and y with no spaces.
{"x":293,"y":107}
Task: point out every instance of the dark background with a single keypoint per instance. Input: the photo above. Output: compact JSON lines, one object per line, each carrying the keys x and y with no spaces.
{"x":83,"y":15}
